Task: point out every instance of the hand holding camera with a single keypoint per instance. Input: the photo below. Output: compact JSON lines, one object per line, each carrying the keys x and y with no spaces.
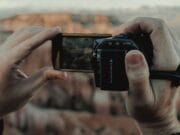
{"x":153,"y":103}
{"x":142,"y":59}
{"x":16,"y":88}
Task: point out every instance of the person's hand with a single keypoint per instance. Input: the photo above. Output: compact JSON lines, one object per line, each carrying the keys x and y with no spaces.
{"x":153,"y":103}
{"x":15,"y":87}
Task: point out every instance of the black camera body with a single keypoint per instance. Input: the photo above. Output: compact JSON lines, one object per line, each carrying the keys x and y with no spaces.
{"x":102,"y":55}
{"x":108,"y":59}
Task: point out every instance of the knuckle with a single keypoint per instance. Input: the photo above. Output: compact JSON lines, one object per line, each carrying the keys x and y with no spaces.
{"x":138,"y":19}
{"x":46,"y":71}
{"x":139,"y":83}
{"x":138,"y":76}
{"x":159,"y":24}
{"x":31,"y":30}
{"x":51,"y":31}
{"x":140,"y":79}
{"x":45,"y":35}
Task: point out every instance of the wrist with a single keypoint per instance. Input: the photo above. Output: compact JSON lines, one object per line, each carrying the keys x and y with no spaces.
{"x":161,"y":128}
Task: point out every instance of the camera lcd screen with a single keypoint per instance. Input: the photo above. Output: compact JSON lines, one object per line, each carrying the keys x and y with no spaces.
{"x":75,"y":51}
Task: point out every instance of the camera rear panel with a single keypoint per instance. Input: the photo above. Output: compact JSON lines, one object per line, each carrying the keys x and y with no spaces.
{"x":112,"y":70}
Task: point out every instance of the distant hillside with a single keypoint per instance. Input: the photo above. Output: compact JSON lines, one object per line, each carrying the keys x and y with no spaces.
{"x":68,"y":22}
{"x":86,"y":19}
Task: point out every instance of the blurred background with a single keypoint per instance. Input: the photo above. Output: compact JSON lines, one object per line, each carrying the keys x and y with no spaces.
{"x":76,"y":108}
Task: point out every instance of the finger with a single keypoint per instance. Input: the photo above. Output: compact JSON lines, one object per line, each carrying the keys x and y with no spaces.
{"x":140,"y":91}
{"x":26,"y":47}
{"x":160,"y":37}
{"x":22,"y":35}
{"x":141,"y":24}
{"x":28,"y":86}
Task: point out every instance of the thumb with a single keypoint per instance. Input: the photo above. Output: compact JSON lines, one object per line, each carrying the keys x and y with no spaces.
{"x":29,"y":85}
{"x":140,"y":91}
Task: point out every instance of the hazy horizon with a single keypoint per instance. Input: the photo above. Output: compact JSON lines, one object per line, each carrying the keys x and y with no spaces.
{"x":85,"y":4}
{"x":14,"y":7}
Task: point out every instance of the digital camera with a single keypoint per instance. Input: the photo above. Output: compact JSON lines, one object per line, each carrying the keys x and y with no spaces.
{"x":100,"y":54}
{"x":108,"y":59}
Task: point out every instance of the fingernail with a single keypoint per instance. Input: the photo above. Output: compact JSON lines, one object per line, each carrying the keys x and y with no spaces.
{"x":134,"y":59}
{"x":136,"y":67}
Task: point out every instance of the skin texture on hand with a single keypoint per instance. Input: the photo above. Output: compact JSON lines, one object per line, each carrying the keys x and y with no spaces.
{"x":15,"y":87}
{"x":152,"y":102}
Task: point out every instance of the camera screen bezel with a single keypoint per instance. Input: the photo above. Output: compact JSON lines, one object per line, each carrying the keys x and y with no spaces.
{"x":57,"y":47}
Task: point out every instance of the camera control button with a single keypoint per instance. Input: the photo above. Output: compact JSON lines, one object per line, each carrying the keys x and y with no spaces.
{"x":117,"y":43}
{"x":127,"y":43}
{"x":110,"y":43}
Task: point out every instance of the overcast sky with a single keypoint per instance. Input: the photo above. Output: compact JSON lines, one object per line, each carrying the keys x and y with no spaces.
{"x":13,"y":7}
{"x":85,"y":4}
